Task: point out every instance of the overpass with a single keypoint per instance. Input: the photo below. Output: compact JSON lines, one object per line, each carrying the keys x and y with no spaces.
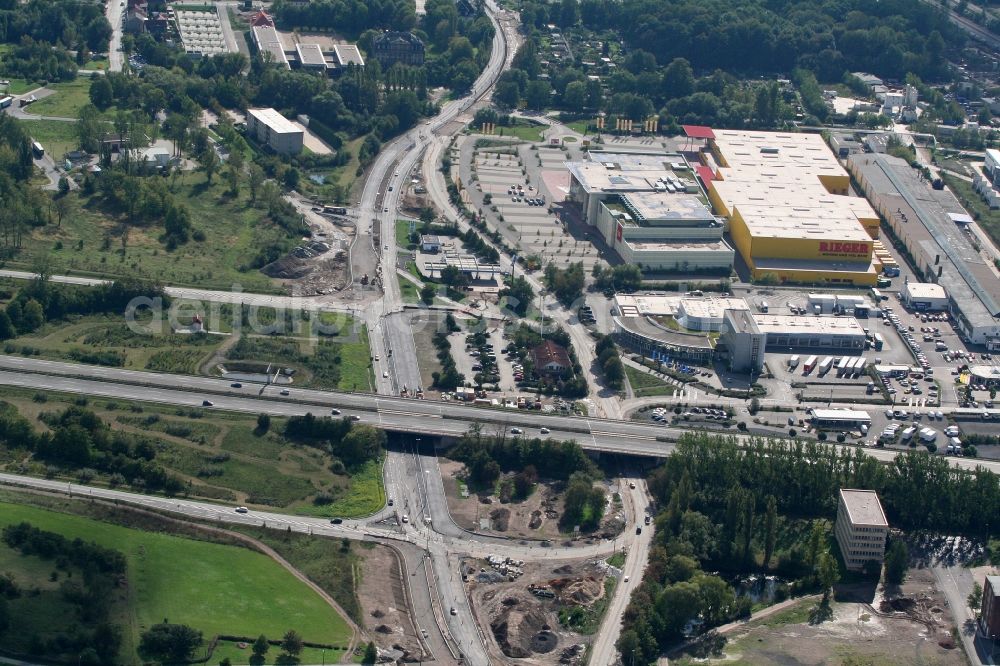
{"x":405,"y":415}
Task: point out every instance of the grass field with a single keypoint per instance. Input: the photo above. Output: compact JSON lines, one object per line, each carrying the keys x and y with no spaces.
{"x":89,"y":241}
{"x":403,"y":235}
{"x":222,"y":455}
{"x":580,"y":125}
{"x":522,"y":130}
{"x":162,"y":352}
{"x":18,"y":86}
{"x":57,"y":137}
{"x":66,"y":102}
{"x":99,"y":64}
{"x":646,"y":385}
{"x":215,"y":588}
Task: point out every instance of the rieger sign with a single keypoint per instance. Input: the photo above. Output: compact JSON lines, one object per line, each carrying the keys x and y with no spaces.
{"x":835,"y":249}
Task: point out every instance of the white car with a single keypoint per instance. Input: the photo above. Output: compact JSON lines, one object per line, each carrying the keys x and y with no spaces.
{"x":544,"y":431}
{"x":385,"y":374}
{"x":242,"y":509}
{"x":516,"y":431}
{"x":406,"y":518}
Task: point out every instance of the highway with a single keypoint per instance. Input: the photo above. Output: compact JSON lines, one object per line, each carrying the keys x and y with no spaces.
{"x":393,"y":413}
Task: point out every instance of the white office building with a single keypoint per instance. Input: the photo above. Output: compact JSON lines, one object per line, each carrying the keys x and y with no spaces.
{"x":861,"y":528}
{"x":275,"y":131}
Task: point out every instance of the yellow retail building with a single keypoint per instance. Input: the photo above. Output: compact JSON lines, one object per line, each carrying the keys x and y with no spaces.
{"x":788,"y":208}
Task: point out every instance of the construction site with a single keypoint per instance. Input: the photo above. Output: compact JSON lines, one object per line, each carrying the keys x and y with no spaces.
{"x":520,"y":606}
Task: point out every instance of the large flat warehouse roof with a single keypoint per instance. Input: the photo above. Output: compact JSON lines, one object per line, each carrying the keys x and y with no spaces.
{"x":310,"y":54}
{"x":268,"y":41}
{"x":780,"y":183}
{"x":798,"y":325}
{"x":633,"y":305}
{"x":932,"y":224}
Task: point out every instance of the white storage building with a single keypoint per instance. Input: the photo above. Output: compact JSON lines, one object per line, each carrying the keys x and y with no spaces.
{"x":925,"y":296}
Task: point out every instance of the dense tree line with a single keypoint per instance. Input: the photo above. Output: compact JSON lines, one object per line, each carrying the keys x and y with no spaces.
{"x":724,"y":40}
{"x":350,"y":16}
{"x":448,"y":378}
{"x":171,"y":643}
{"x":24,"y":205}
{"x":38,"y":61}
{"x":88,"y":636}
{"x":41,"y":301}
{"x":71,"y":24}
{"x":566,"y":283}
{"x":31,"y":540}
{"x":621,"y":278}
{"x":722,"y":506}
{"x":78,"y":440}
{"x":352,"y":443}
{"x":551,"y":459}
{"x":610,"y":361}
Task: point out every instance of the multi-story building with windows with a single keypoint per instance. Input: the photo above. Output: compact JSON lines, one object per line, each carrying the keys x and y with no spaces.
{"x":861,"y":528}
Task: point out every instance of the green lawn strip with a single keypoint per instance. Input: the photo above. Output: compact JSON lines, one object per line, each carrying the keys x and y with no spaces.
{"x":264,"y":484}
{"x":617,"y":560}
{"x":330,"y":563}
{"x":646,"y":385}
{"x":349,"y":172}
{"x":580,"y":126}
{"x":215,"y":588}
{"x":89,"y":242}
{"x":408,"y":290}
{"x":97,"y":339}
{"x":403,"y":235}
{"x":57,"y":137}
{"x":364,"y":496}
{"x":19,"y":86}
{"x":530,"y":132}
{"x":67,"y":100}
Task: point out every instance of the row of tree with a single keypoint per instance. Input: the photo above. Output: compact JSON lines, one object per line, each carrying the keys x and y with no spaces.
{"x":736,"y":507}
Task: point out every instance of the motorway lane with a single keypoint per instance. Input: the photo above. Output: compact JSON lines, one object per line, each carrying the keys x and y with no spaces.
{"x":402,"y":414}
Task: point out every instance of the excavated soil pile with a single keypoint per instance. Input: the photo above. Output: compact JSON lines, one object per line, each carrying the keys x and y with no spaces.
{"x":520,"y":628}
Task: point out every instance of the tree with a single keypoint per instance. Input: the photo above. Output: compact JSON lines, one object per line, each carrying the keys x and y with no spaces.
{"x":678,"y":79}
{"x":538,"y":94}
{"x":263,"y":422}
{"x":101,"y":94}
{"x":254,"y":180}
{"x":427,"y":293}
{"x":897,"y":561}
{"x":827,"y":572}
{"x":62,"y":206}
{"x":89,"y":128}
{"x":261,"y":646}
{"x":234,"y":170}
{"x":169,"y":642}
{"x":575,"y":95}
{"x":975,"y":598}
{"x":7,"y":330}
{"x":519,"y":295}
{"x":770,"y":528}
{"x":371,"y":654}
{"x":292,"y":642}
{"x":33,"y":317}
{"x":209,"y":162}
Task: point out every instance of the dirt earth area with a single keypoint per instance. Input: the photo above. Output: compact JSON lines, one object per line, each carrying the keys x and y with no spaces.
{"x":914,"y":627}
{"x":385,"y":613}
{"x":522,"y":626}
{"x":535,"y":518}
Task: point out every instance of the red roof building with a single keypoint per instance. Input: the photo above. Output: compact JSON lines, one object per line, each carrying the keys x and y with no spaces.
{"x":698,"y":132}
{"x":550,"y":358}
{"x":261,"y":20}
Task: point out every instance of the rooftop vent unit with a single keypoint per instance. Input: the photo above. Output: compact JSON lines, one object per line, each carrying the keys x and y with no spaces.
{"x":768,"y":150}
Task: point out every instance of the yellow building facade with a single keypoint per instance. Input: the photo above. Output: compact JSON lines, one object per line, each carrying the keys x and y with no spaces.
{"x":788,"y":208}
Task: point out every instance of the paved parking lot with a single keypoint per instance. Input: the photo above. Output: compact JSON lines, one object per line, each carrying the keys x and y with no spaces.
{"x":522,"y":212}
